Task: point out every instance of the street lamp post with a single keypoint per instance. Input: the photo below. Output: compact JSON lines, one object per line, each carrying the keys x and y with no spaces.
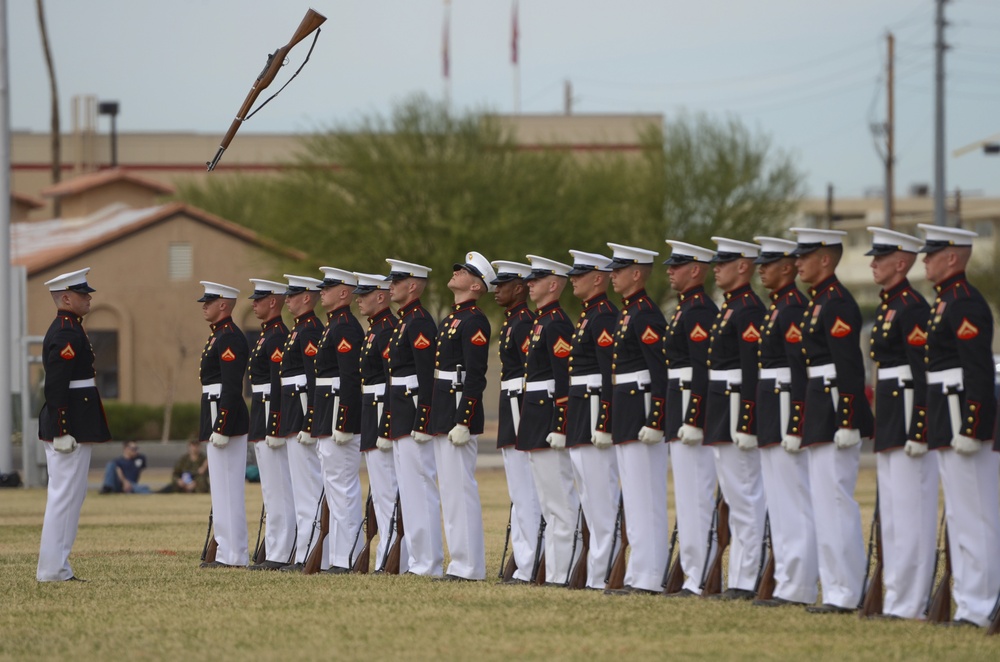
{"x":111,"y":108}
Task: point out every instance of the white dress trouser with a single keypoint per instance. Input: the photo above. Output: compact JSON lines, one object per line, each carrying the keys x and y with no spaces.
{"x":227,"y":467}
{"x":643,"y":470}
{"x":743,"y":489}
{"x":693,"y":470}
{"x":553,"y":474}
{"x":833,"y":474}
{"x":908,"y":508}
{"x":307,"y":486}
{"x":416,"y":474}
{"x":276,"y":489}
{"x":64,"y":499}
{"x":382,"y":480}
{"x":596,"y":473}
{"x":793,"y":532}
{"x":341,"y":465}
{"x":460,"y":507}
{"x":526,"y":513}
{"x":972,"y":508}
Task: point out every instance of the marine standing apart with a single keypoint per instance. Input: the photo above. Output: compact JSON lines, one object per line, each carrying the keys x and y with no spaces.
{"x":525,"y":516}
{"x":961,"y":414}
{"x":639,"y":374}
{"x":264,"y":370}
{"x":907,"y":475}
{"x":225,"y":423}
{"x":836,"y":417}
{"x":71,"y":419}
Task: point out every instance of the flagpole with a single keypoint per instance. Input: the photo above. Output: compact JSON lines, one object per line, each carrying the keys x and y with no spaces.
{"x":446,"y":55}
{"x":515,"y":60}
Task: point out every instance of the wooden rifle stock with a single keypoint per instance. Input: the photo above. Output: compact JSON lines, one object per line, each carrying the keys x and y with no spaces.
{"x":994,"y":626}
{"x":939,"y":610}
{"x":871,"y":603}
{"x":616,"y":578}
{"x":713,"y":580}
{"x":315,"y":559}
{"x":392,"y":557}
{"x":509,"y":569}
{"x":764,"y":588}
{"x":578,"y":577}
{"x":260,"y":550}
{"x":506,"y":545}
{"x":275,"y":60}
{"x":539,"y":577}
{"x":211,"y":545}
{"x":538,"y":570}
{"x":362,"y":564}
{"x":674,"y":580}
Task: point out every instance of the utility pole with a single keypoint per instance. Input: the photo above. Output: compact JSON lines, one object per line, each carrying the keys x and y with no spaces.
{"x":940,"y":214}
{"x":886,"y":130}
{"x":567,"y":97}
{"x":829,"y":206}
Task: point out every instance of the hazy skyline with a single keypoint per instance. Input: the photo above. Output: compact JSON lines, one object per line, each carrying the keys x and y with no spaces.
{"x":810,"y":75}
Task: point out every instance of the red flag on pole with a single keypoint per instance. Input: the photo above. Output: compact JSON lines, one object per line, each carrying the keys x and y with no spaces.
{"x":513,"y":36}
{"x":445,"y":60}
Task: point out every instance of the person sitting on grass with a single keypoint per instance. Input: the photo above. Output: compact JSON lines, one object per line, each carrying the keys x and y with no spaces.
{"x":190,"y":472}
{"x":122,"y":473}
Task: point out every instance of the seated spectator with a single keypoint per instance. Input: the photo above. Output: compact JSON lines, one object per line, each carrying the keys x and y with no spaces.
{"x":122,"y":474}
{"x":190,"y":473}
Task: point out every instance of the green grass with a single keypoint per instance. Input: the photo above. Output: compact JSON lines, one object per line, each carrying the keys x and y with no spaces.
{"x":146,"y":599}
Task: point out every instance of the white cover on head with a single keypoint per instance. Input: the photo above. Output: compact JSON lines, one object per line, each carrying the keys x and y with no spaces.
{"x":900,"y":241}
{"x":341,"y":276}
{"x":67,"y":280}
{"x":400,"y":269}
{"x":507,"y":270}
{"x":477,"y":264}
{"x":680,"y":249}
{"x":818,"y":236}
{"x":742,"y":248}
{"x":623,"y":255}
{"x":941,"y":234}
{"x":302,"y":283}
{"x":583,"y":261}
{"x":371,"y":281}
{"x":219,"y":290}
{"x":543,"y":266}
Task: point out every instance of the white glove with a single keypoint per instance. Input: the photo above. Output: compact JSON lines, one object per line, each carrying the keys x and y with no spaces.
{"x":340,"y":437}
{"x":648,"y":435}
{"x":602,"y":439}
{"x":274,"y":442}
{"x":460,"y":435}
{"x":915,"y":448}
{"x":65,"y":443}
{"x":745,"y":442}
{"x":421,"y":437}
{"x":383,"y":444}
{"x":690,"y":435}
{"x":219,"y":440}
{"x":792,"y":443}
{"x":306,"y":439}
{"x":556,"y":440}
{"x":846,"y":437}
{"x":966,"y":445}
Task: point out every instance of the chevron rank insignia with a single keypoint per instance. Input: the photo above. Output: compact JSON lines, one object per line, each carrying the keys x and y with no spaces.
{"x":751,"y":334}
{"x":840,"y":328}
{"x":310,"y":349}
{"x":67,"y":352}
{"x":479,"y":339}
{"x":525,"y":345}
{"x":917,"y":337}
{"x":605,"y":339}
{"x":967,"y":330}
{"x":228,"y":355}
{"x":561,"y":348}
{"x":649,"y":336}
{"x":421,"y":342}
{"x":793,"y":335}
{"x":343,"y":346}
{"x":276,"y":355}
{"x":698,"y":334}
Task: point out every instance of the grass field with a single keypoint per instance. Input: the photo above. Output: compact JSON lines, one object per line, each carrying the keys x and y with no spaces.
{"x":146,"y":599}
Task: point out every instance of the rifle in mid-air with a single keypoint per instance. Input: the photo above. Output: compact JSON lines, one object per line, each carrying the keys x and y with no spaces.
{"x":616,"y":571}
{"x":362,"y":562}
{"x":711,"y":576}
{"x":871,"y":596}
{"x":310,"y":23}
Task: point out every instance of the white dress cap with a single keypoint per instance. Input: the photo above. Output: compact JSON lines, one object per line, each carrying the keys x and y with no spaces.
{"x":299,"y":284}
{"x":586,"y":262}
{"x":399,"y":270}
{"x":74,"y":280}
{"x":217,"y":291}
{"x":885,"y":242}
{"x":543,"y":266}
{"x":682,"y":253}
{"x":940,"y":236}
{"x":811,"y":239}
{"x":773,"y":249}
{"x":480,"y":267}
{"x":628,"y":256}
{"x":370,"y":282}
{"x":731,"y":249}
{"x":333,"y":276}
{"x":265,"y":288}
{"x":507,"y":270}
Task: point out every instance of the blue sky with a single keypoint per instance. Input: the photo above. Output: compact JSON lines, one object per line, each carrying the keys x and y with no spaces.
{"x":808,"y":73}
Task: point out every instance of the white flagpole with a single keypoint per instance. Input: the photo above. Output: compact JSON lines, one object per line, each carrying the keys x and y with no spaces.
{"x":6,"y":427}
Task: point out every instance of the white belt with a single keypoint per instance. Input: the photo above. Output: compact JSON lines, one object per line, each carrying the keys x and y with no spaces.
{"x":512,"y":386}
{"x":683,"y":374}
{"x":733,"y":377}
{"x":946,"y":378}
{"x":212,"y":389}
{"x":297,"y":380}
{"x":261,"y":388}
{"x":332,"y":382}
{"x":900,"y":373}
{"x":548,"y":385}
{"x":780,"y":375}
{"x":828,"y":371}
{"x":590,"y":381}
{"x":373,"y":389}
{"x":640,"y":377}
{"x":410,"y":381}
{"x":85,"y":383}
{"x":447,"y":375}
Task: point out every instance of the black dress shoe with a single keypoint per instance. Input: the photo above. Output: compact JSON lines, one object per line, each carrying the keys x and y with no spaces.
{"x":267,"y":565}
{"x":74,"y":578}
{"x":336,"y":570}
{"x":886,"y":617}
{"x":958,"y":623}
{"x":737,"y":594}
{"x":453,"y":578}
{"x":683,"y":593}
{"x":828,"y":609}
{"x":625,"y":590}
{"x":292,"y":567}
{"x":778,"y":602}
{"x":217,"y":564}
{"x":514,"y":581}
